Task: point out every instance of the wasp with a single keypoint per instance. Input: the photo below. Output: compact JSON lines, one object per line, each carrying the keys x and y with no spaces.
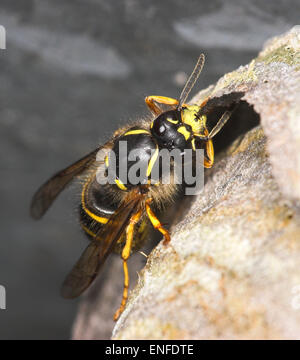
{"x":117,"y":215}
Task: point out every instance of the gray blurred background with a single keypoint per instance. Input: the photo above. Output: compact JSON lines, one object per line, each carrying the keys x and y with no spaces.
{"x":73,"y":71}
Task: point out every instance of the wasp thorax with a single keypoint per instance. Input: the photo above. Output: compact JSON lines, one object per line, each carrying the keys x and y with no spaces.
{"x":170,"y":132}
{"x":131,"y":158}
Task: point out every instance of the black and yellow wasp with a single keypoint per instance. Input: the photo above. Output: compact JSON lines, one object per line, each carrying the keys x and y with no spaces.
{"x":116,"y":216}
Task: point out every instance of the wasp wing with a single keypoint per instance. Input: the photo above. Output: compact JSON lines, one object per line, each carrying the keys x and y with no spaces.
{"x":48,"y":192}
{"x":88,"y":265}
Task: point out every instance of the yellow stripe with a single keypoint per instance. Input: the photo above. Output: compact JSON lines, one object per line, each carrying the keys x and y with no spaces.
{"x":88,"y":231}
{"x":152,"y":161}
{"x":99,"y":219}
{"x":172,"y":121}
{"x":182,"y":130}
{"x":135,"y":132}
{"x":120,"y":184}
{"x":193,"y":144}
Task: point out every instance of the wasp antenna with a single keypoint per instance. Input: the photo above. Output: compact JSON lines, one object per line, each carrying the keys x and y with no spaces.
{"x":222,"y":121}
{"x":191,"y":81}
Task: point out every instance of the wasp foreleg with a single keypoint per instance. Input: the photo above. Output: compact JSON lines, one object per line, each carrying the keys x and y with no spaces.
{"x":155,"y":109}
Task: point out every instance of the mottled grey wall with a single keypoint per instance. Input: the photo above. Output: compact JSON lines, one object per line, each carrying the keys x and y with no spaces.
{"x":72,"y":72}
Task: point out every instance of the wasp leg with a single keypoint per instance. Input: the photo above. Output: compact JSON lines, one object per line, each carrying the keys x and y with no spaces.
{"x":125,"y":255}
{"x":209,"y":155}
{"x":209,"y":147}
{"x":154,"y":108}
{"x":209,"y":160}
{"x":222,"y":121}
{"x":156,"y":223}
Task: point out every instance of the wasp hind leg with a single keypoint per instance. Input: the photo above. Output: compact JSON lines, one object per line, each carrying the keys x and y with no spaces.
{"x":125,"y":255}
{"x":153,"y":99}
{"x":156,"y":223}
